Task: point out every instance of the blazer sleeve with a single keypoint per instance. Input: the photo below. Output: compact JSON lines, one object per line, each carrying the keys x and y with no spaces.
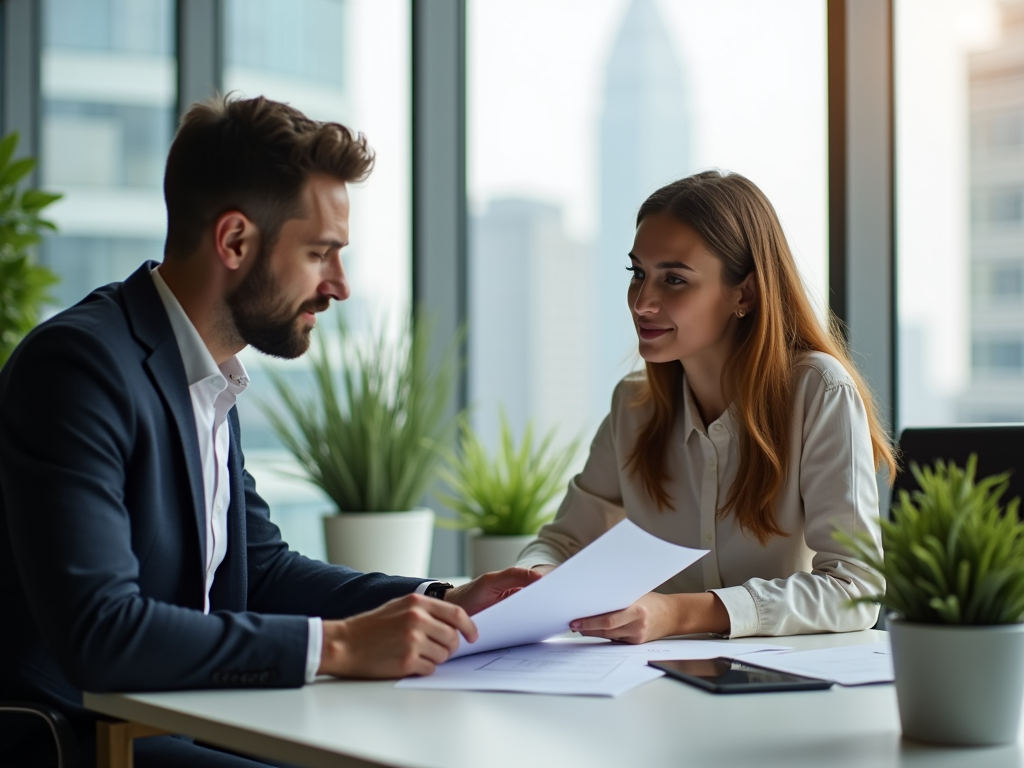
{"x":66,"y":436}
{"x":281,"y":581}
{"x":839,"y":492}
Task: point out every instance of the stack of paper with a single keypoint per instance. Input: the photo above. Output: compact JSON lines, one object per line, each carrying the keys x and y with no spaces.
{"x":848,"y":665}
{"x":612,"y":573}
{"x":571,"y":667}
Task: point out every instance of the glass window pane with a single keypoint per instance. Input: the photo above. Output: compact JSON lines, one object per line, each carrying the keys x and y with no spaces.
{"x":572,"y":123}
{"x":960,"y":209}
{"x":346,"y":61}
{"x":108,"y":91}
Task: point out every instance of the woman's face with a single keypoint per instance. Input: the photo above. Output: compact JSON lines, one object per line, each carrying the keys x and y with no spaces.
{"x":681,"y":308}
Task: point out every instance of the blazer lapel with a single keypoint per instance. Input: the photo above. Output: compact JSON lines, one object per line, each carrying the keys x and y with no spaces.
{"x":152,"y":327}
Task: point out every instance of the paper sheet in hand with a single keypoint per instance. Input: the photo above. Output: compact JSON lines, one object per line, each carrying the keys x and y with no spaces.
{"x":570,"y":667}
{"x":612,"y":573}
{"x":848,"y":665}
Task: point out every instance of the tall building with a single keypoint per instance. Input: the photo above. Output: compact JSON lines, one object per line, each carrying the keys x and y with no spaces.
{"x":531,"y":332}
{"x":996,"y":390}
{"x":645,"y":138}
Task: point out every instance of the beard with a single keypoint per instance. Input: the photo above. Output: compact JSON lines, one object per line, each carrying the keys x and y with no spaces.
{"x":263,"y":317}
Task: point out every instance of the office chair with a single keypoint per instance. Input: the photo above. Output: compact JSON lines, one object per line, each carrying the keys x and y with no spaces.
{"x":1000,"y":448}
{"x":63,"y":737}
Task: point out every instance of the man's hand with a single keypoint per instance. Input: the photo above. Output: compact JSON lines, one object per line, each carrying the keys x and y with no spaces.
{"x":484,"y":591}
{"x":409,"y":635}
{"x":654,"y":616}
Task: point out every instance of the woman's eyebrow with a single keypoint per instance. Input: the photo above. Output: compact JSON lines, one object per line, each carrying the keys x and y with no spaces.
{"x":674,"y":265}
{"x":666,"y":264}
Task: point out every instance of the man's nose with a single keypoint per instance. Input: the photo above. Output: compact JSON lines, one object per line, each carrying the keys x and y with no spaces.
{"x":335,"y":283}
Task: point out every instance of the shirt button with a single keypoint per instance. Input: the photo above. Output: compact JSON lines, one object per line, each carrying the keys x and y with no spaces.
{"x":707,"y":537}
{"x":712,"y":465}
{"x":717,"y":427}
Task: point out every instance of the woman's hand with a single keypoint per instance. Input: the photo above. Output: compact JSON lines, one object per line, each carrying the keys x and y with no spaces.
{"x":654,"y":616}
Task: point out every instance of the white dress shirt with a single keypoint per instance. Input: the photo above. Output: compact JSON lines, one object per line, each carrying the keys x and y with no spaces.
{"x":794,"y":584}
{"x":214,"y":390}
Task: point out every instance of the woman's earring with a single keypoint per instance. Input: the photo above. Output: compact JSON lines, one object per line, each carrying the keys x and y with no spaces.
{"x":740,"y":312}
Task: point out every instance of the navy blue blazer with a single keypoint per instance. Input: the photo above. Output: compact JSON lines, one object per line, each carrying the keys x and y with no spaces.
{"x":103,"y":536}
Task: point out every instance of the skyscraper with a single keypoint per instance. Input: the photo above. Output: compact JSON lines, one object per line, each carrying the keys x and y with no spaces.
{"x":645,"y":140}
{"x":996,"y":390}
{"x":531,"y":310}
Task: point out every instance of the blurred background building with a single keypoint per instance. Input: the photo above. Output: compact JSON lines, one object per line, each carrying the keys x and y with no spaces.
{"x":996,"y":99}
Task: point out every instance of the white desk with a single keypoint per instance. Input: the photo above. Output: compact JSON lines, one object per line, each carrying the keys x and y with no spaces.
{"x":661,"y":724}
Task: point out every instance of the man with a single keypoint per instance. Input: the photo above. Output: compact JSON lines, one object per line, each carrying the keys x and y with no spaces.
{"x":135,"y":552}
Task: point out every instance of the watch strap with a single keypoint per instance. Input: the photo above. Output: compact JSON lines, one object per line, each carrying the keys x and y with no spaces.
{"x":438,"y":589}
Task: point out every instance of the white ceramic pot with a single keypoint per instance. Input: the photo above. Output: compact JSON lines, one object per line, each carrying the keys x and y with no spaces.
{"x":396,"y":543}
{"x":960,"y":685}
{"x":493,"y":553}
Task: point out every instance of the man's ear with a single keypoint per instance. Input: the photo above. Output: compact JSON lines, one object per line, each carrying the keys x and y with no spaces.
{"x":235,"y":239}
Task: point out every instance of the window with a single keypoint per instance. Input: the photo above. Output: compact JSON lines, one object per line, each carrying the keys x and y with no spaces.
{"x":572,"y":123}
{"x":346,"y":61}
{"x":999,"y":282}
{"x":998,"y":356}
{"x":998,"y":207}
{"x":108,"y":92}
{"x":999,"y":132}
{"x":960,"y":210}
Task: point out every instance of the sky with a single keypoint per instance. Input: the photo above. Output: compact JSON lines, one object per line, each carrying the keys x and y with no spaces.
{"x":758,"y":103}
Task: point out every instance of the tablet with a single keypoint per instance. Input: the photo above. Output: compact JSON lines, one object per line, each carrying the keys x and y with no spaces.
{"x":730,"y":676}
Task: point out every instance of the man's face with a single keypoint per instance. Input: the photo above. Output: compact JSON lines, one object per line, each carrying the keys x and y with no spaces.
{"x":274,"y":307}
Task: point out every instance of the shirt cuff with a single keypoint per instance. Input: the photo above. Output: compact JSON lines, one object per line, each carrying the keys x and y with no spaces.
{"x":422,"y":588}
{"x":742,"y":610}
{"x":314,"y":647}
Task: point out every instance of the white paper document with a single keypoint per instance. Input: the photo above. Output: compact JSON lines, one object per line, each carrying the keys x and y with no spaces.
{"x":612,"y":573}
{"x":848,"y":665}
{"x":570,"y":667}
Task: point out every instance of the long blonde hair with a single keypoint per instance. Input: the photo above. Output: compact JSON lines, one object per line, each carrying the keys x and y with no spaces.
{"x":740,"y":227}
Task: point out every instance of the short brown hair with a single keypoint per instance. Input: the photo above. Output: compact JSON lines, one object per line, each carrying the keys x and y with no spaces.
{"x":253,"y":156}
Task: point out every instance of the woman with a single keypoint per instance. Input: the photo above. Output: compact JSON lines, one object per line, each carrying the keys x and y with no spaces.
{"x":750,"y":433}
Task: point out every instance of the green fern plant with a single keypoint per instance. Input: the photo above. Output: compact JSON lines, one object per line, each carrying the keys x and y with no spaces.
{"x":508,"y":494}
{"x":24,"y":285}
{"x":951,"y":553}
{"x":374,"y":431}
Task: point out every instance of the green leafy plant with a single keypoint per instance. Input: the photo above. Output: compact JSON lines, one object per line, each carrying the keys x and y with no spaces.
{"x":23,"y":283}
{"x":508,"y":494}
{"x":951,"y":554}
{"x":374,"y":431}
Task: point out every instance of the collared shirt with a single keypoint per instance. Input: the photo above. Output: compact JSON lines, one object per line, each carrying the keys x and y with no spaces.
{"x":797,"y":583}
{"x":214,"y":390}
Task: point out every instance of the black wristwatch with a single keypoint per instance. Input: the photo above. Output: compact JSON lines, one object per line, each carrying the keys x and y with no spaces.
{"x":438,"y":589}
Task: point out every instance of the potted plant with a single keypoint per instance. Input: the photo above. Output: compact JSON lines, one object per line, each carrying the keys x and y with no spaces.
{"x":23,"y":283}
{"x":953,"y":561}
{"x":503,"y":500}
{"x":371,"y":435}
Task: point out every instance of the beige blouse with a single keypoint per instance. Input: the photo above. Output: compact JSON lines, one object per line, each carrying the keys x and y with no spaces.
{"x":795,"y":584}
